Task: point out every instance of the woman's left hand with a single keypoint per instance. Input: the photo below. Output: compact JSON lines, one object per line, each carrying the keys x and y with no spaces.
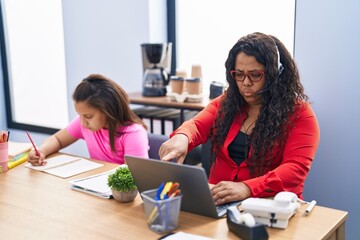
{"x":227,"y":191}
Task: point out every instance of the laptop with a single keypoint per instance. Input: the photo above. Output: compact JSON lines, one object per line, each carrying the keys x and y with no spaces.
{"x":150,"y":173}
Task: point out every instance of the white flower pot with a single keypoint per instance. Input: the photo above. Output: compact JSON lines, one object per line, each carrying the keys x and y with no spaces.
{"x":124,"y":196}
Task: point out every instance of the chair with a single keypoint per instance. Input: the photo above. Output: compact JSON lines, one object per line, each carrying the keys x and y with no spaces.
{"x":205,"y":156}
{"x":155,"y":141}
{"x":193,"y":157}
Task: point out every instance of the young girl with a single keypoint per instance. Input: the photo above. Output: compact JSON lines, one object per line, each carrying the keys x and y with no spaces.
{"x":105,"y":121}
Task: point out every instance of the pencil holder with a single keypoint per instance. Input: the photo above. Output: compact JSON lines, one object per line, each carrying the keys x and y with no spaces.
{"x":162,"y":215}
{"x":4,"y":152}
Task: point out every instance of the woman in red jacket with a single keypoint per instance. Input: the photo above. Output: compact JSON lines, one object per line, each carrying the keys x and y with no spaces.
{"x":263,"y":131}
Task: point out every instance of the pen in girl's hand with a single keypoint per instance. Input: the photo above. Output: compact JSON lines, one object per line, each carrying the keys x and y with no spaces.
{"x":36,"y":151}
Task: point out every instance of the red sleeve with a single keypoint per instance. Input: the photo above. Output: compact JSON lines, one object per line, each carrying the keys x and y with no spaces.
{"x":299,"y":152}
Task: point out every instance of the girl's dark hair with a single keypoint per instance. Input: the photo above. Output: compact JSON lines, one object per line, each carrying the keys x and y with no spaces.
{"x":279,"y":102}
{"x":107,"y":96}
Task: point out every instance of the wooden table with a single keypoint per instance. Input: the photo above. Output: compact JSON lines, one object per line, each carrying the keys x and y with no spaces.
{"x":165,"y":101}
{"x":36,"y":205}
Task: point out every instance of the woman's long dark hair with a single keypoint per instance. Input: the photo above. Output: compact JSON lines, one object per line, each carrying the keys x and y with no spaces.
{"x":279,"y":102}
{"x":107,"y":96}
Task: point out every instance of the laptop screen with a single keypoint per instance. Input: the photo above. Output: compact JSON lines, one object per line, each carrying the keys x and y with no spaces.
{"x":149,"y":174}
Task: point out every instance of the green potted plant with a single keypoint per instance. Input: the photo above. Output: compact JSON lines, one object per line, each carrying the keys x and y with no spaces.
{"x":122,"y":185}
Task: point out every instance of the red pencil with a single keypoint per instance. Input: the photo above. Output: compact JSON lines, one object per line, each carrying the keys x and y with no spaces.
{"x":37,"y":152}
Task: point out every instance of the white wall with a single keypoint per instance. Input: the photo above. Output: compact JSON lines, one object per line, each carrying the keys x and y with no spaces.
{"x":327,"y":52}
{"x":104,"y":36}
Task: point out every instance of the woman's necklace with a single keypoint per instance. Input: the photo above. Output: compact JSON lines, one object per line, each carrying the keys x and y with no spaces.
{"x":246,"y":129}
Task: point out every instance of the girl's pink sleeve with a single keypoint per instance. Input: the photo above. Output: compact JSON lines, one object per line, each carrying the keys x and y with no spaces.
{"x":74,"y":128}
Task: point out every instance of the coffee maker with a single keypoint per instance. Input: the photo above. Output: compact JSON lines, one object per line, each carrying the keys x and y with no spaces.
{"x":157,"y":66}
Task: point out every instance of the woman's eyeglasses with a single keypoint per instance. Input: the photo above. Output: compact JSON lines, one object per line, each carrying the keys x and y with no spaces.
{"x":240,"y":76}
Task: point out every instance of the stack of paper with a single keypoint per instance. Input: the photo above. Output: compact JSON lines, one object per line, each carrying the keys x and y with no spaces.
{"x":184,"y":236}
{"x":65,"y":166}
{"x":17,"y":149}
{"x":18,"y":153}
{"x":95,"y":185}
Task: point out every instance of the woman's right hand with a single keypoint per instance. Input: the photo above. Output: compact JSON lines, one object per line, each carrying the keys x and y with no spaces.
{"x":35,"y":160}
{"x":175,"y":147}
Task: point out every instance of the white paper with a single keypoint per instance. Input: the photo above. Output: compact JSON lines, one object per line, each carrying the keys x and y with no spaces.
{"x":185,"y":236}
{"x":102,"y":195}
{"x":96,"y":184}
{"x":53,"y":162}
{"x":16,"y":148}
{"x":74,"y":168}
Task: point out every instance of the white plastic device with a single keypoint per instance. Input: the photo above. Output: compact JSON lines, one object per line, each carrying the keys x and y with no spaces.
{"x":272,"y":212}
{"x":242,"y":218}
{"x":285,"y":198}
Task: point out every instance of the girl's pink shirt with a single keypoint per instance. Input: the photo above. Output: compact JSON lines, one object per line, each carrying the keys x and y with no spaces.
{"x":132,"y":140}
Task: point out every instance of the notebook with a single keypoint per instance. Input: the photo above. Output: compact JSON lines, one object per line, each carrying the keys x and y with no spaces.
{"x":19,"y":159}
{"x":197,"y":198}
{"x":96,"y":184}
{"x":65,"y":166}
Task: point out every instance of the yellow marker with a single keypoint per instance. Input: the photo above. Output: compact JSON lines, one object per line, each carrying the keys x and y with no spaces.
{"x":155,"y":211}
{"x":165,"y":190}
{"x":163,"y":193}
{"x":152,"y":215}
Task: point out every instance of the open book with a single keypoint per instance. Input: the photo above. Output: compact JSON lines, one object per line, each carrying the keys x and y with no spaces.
{"x":95,"y":184}
{"x":65,"y":166}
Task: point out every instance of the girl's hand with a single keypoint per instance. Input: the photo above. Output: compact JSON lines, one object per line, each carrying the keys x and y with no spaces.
{"x":36,"y":160}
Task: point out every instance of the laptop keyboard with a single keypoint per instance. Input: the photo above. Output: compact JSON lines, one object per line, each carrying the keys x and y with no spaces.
{"x":221,"y":209}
